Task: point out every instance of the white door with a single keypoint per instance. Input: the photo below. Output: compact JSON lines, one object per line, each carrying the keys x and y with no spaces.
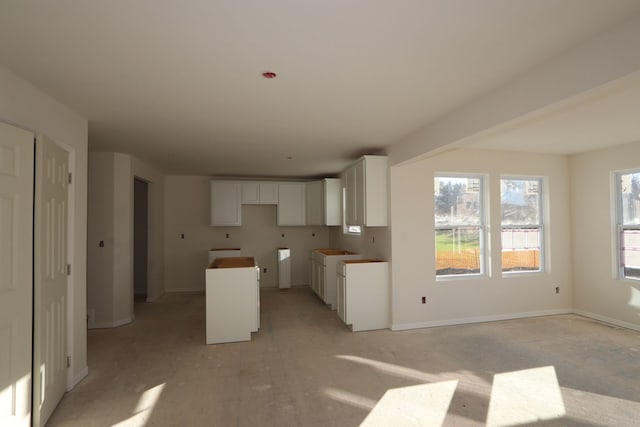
{"x":50,"y":289}
{"x":16,"y":279}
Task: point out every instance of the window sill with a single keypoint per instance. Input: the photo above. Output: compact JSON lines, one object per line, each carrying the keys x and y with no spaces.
{"x":461,"y":277}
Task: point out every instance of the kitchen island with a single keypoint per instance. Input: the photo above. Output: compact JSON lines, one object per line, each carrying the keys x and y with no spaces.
{"x":232,"y":299}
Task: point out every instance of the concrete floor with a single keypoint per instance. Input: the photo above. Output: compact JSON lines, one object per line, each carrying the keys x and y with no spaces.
{"x":305,"y":368}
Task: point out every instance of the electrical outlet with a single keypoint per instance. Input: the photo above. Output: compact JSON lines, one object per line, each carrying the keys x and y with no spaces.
{"x":227,"y":235}
{"x":557,"y":289}
{"x":264,"y":270}
{"x":182,"y":236}
{"x":101,"y":243}
{"x":424,"y":300}
{"x":313,"y":234}
{"x":282,"y":234}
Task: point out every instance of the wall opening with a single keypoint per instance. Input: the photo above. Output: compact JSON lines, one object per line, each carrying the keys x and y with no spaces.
{"x":140,"y":235}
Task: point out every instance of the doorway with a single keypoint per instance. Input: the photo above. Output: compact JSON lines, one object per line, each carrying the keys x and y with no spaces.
{"x":140,"y":239}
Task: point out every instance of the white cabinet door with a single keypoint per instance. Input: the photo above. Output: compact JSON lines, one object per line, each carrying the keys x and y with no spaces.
{"x":259,"y":193}
{"x":332,"y":201}
{"x":315,"y":203}
{"x":225,"y":203}
{"x":250,"y":193}
{"x":359,"y":194}
{"x":342,"y":304}
{"x":268,"y":193}
{"x":366,"y":187}
{"x":291,"y":203}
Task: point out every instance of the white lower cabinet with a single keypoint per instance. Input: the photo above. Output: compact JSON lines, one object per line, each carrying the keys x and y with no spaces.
{"x":363,"y":294}
{"x":324,"y":265}
{"x":232,"y":300}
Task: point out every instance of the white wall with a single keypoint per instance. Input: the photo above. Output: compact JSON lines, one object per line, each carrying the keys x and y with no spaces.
{"x":487,"y":298}
{"x":100,"y":228}
{"x":110,"y":292}
{"x":187,"y":212}
{"x":597,"y":291}
{"x":28,"y":107}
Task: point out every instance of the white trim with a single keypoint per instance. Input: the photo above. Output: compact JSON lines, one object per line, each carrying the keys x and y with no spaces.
{"x":609,"y":320}
{"x":115,"y":324}
{"x":154,"y":298}
{"x":480,"y":319}
{"x":79,"y":377}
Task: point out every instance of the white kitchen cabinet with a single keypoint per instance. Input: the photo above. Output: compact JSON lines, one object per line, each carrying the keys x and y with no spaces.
{"x":324,"y":264}
{"x":291,"y":203}
{"x":315,"y":203}
{"x":225,"y":203}
{"x":366,"y":192}
{"x":259,"y":193}
{"x":284,"y":268}
{"x":324,"y":202}
{"x":363,"y":294}
{"x":232,"y":300}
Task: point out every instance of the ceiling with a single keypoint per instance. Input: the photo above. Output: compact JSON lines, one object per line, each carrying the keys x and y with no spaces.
{"x":179,"y":84}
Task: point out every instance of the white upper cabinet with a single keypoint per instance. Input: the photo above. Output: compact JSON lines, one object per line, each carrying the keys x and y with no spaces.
{"x":259,"y":193}
{"x":323,"y":202}
{"x":366,"y":192}
{"x":291,"y":203}
{"x":315,"y":203}
{"x":225,"y":203}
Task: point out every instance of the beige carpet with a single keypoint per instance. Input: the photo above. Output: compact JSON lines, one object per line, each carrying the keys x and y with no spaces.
{"x":305,"y":368}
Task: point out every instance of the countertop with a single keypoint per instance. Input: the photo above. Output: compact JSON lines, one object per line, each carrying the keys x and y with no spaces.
{"x":234,"y":262}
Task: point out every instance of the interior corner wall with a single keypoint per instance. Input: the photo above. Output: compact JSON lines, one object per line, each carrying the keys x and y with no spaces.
{"x":100,"y":238}
{"x":598,"y":293}
{"x":110,"y":293}
{"x":491,"y":297}
{"x":26,"y":106}
{"x":187,"y":211}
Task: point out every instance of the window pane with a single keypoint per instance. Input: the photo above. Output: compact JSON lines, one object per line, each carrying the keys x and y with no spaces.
{"x":458,"y":251}
{"x":520,"y":249}
{"x":457,"y":201}
{"x":630,"y":253}
{"x":630,"y":198}
{"x":520,"y":201}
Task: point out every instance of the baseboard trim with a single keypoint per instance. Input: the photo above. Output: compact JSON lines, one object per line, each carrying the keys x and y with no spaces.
{"x":152,"y":299}
{"x":183,"y":291}
{"x":78,"y":377}
{"x":609,"y":320}
{"x":479,"y":319}
{"x":105,"y":325}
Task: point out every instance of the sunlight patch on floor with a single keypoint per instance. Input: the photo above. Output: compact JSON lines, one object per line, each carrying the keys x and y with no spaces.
{"x":389,"y":368}
{"x":144,"y":408}
{"x":526,"y":396}
{"x":419,"y":405}
{"x":350,"y":398}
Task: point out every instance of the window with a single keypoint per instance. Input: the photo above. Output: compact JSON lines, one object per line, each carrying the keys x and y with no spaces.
{"x":459,"y":225}
{"x":628,"y":223}
{"x":522,"y":224}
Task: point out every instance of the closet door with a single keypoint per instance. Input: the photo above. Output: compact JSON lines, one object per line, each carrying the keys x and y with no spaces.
{"x":16,"y":277}
{"x":50,"y":289}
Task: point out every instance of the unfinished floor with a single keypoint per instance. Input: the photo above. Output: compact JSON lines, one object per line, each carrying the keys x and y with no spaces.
{"x":305,"y":368}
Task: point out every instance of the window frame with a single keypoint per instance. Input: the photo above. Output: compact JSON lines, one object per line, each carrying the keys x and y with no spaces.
{"x":619,"y":226}
{"x":481,"y":226}
{"x":541,"y":226}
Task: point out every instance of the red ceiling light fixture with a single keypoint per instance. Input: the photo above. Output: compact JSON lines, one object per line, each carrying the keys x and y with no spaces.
{"x":269,"y":75}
